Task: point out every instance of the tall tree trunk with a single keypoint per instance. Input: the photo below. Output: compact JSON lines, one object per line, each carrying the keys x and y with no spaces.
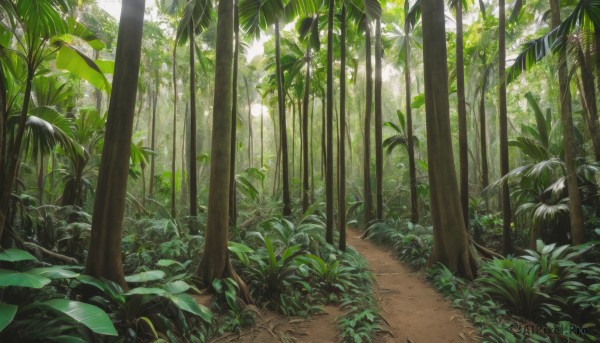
{"x":40,"y":180}
{"x":483,"y":130}
{"x":341,"y":142}
{"x":463,"y":154}
{"x":250,"y":134}
{"x":305,"y":142}
{"x":104,"y":254}
{"x":378,"y":124}
{"x":98,"y":92}
{"x":15,"y":151}
{"x":287,"y":209}
{"x":262,"y":127}
{"x":215,"y":263}
{"x":368,"y":200}
{"x":412,"y":169}
{"x":192,"y":174}
{"x":450,"y":241}
{"x":153,"y":139}
{"x":507,"y":245}
{"x":312,"y":151}
{"x":174,"y":149}
{"x":234,"y":114}
{"x":293,"y":138}
{"x":589,"y":97}
{"x":323,"y":140}
{"x":329,"y":130}
{"x":575,"y":211}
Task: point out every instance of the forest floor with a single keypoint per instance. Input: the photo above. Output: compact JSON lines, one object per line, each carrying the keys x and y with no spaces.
{"x":413,"y":311}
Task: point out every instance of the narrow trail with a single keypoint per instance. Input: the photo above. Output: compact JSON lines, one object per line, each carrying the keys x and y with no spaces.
{"x":414,"y":311}
{"x":411,"y":307}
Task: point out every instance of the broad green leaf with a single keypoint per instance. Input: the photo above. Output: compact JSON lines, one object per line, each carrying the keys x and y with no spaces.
{"x":151,"y":275}
{"x":14,"y":255}
{"x":188,"y":304}
{"x":5,"y":37}
{"x":7,"y":314}
{"x":239,"y":247}
{"x":106,"y":66}
{"x":73,"y":60}
{"x":167,"y":263}
{"x":177,"y":287}
{"x":17,"y":279}
{"x":79,"y":30}
{"x":146,"y":291}
{"x":418,"y":101}
{"x":89,"y":315}
{"x":54,"y":272}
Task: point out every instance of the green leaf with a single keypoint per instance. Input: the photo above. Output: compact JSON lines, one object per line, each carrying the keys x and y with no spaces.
{"x":73,"y":60}
{"x":146,"y":291}
{"x":89,"y":315}
{"x":151,"y":275}
{"x":177,"y":287}
{"x":54,"y":272}
{"x":14,"y":255}
{"x":239,"y":247}
{"x":17,"y":279}
{"x":7,"y":314}
{"x":418,"y":101}
{"x":186,"y":303}
{"x":167,"y":263}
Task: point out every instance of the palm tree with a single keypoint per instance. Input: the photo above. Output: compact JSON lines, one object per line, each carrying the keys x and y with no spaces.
{"x":35,"y":26}
{"x":309,"y":30}
{"x":576,"y":214}
{"x":450,"y":241}
{"x":196,"y":17}
{"x":404,"y":38}
{"x":104,"y":253}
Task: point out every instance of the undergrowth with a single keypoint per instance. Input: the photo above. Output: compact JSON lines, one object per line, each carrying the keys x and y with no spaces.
{"x":546,"y":295}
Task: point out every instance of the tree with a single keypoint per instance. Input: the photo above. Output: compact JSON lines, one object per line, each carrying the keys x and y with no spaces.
{"x":503,"y":122}
{"x":462,"y":114}
{"x":329,"y":130}
{"x":342,"y":133}
{"x":234,"y":115}
{"x":368,"y":197}
{"x":576,"y":214}
{"x":450,"y":242}
{"x":40,"y":29}
{"x":378,"y":123}
{"x":104,"y":253}
{"x":309,"y":30}
{"x":215,"y":263}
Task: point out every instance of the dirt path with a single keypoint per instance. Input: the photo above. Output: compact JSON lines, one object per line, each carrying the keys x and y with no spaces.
{"x":413,"y":309}
{"x":415,"y":312}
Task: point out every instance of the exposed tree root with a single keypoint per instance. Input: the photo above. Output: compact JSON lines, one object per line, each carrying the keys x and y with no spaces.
{"x":38,"y":250}
{"x":244,"y":292}
{"x":485,"y":252}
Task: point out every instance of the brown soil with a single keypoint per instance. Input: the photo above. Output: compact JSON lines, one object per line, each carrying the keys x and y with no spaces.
{"x":413,"y":311}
